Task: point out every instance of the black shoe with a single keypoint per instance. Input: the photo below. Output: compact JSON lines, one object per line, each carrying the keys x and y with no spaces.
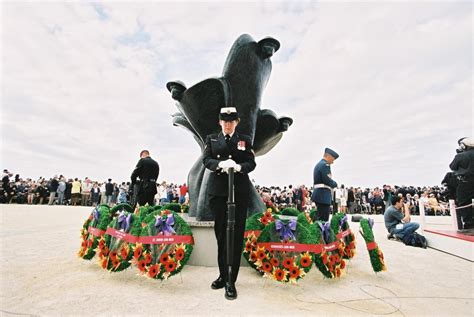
{"x":230,"y":291}
{"x":219,"y":283}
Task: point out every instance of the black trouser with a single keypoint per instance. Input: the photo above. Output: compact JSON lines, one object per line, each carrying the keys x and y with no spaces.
{"x":323,"y":212}
{"x":146,"y":193}
{"x":464,"y":195}
{"x":218,"y":206}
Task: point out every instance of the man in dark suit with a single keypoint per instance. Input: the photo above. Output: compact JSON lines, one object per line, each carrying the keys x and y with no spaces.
{"x":228,"y":149}
{"x":147,"y":170}
{"x":323,"y":185}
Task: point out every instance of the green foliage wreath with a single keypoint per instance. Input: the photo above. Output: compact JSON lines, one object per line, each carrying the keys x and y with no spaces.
{"x":93,"y":228}
{"x":375,"y":253}
{"x":330,"y":261}
{"x":289,"y":264}
{"x":162,"y":260}
{"x":340,"y":226}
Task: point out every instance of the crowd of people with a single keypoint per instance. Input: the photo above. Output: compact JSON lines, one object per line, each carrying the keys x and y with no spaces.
{"x":363,"y":200}
{"x":59,"y":190}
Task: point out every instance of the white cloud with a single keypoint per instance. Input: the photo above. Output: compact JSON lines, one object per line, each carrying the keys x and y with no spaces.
{"x":388,"y":85}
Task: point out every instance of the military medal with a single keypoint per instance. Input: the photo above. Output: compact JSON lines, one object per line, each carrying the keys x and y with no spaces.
{"x":241,"y":145}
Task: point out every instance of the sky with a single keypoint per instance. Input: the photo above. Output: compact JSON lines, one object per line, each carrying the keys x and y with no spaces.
{"x":388,"y":85}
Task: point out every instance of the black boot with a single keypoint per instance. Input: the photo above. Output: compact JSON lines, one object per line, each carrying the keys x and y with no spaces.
{"x":230,"y":291}
{"x":219,"y":283}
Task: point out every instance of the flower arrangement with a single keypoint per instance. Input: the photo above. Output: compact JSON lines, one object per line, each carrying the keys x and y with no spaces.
{"x":164,"y":246}
{"x":340,"y":227}
{"x":92,"y":230}
{"x":116,"y":246}
{"x":375,"y":253}
{"x":284,"y":249}
{"x":253,"y":227}
{"x":330,"y":260}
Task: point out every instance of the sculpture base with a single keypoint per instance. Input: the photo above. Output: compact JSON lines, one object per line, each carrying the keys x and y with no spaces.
{"x":205,"y":245}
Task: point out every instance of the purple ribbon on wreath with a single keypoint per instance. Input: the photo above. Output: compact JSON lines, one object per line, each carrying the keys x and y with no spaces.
{"x":343,"y":220}
{"x":124,"y":221}
{"x":286,"y":230}
{"x":165,"y":226}
{"x":96,"y":214}
{"x":371,"y":223}
{"x":325,"y":230}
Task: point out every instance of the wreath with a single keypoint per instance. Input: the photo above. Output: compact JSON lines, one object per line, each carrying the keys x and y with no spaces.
{"x":284,"y":249}
{"x":115,"y":247}
{"x":165,"y":245}
{"x":330,"y":260}
{"x":93,"y":228}
{"x":375,"y":253}
{"x":340,"y":226}
{"x":253,"y":227}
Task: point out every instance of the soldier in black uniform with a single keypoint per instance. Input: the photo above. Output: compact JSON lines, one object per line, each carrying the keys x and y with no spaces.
{"x":147,"y":171}
{"x":463,"y":168}
{"x":228,"y":149}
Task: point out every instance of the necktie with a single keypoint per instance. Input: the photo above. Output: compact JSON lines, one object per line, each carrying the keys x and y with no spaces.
{"x":227,"y":138}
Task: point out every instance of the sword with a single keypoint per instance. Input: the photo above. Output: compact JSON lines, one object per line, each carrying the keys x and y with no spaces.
{"x":230,"y":225}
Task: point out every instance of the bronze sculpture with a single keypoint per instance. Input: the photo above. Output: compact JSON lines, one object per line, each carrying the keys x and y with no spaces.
{"x":246,"y":72}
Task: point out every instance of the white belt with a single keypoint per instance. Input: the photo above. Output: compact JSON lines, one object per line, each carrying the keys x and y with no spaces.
{"x":322,"y":186}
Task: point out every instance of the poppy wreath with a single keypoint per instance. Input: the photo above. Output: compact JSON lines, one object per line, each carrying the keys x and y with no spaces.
{"x":165,"y":245}
{"x":284,"y":249}
{"x":115,"y":247}
{"x":375,"y":253}
{"x":93,"y":228}
{"x":253,"y":227}
{"x":330,"y":260}
{"x":173,"y":207}
{"x":340,"y":226}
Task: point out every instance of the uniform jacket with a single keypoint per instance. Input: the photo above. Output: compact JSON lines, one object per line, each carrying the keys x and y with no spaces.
{"x":147,"y":170}
{"x":240,"y":150}
{"x":463,"y":164}
{"x":321,"y":175}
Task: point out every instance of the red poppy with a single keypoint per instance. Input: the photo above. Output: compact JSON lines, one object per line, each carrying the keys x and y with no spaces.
{"x":115,"y":263}
{"x":253,"y":256}
{"x":248,"y":246}
{"x":106,"y":251}
{"x":84,"y":244}
{"x":165,"y":212}
{"x":124,"y":253}
{"x":137,"y":252}
{"x":264,"y":220}
{"x":338,"y":272}
{"x":170,"y":266}
{"x":141,"y":265}
{"x":274,"y":262}
{"x":279,"y":274}
{"x":164,"y":258}
{"x":103,"y":264}
{"x":325,"y":258}
{"x":267,"y":267}
{"x":113,"y":255}
{"x":288,"y":263}
{"x":294,"y":272}
{"x":153,"y":270}
{"x":305,"y":261}
{"x":261,"y":254}
{"x":89,"y":243}
{"x":148,"y":258}
{"x":343,"y":264}
{"x":330,"y":267}
{"x":179,"y":255}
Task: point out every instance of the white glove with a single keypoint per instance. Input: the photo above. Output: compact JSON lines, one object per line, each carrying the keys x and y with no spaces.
{"x":225,"y":165}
